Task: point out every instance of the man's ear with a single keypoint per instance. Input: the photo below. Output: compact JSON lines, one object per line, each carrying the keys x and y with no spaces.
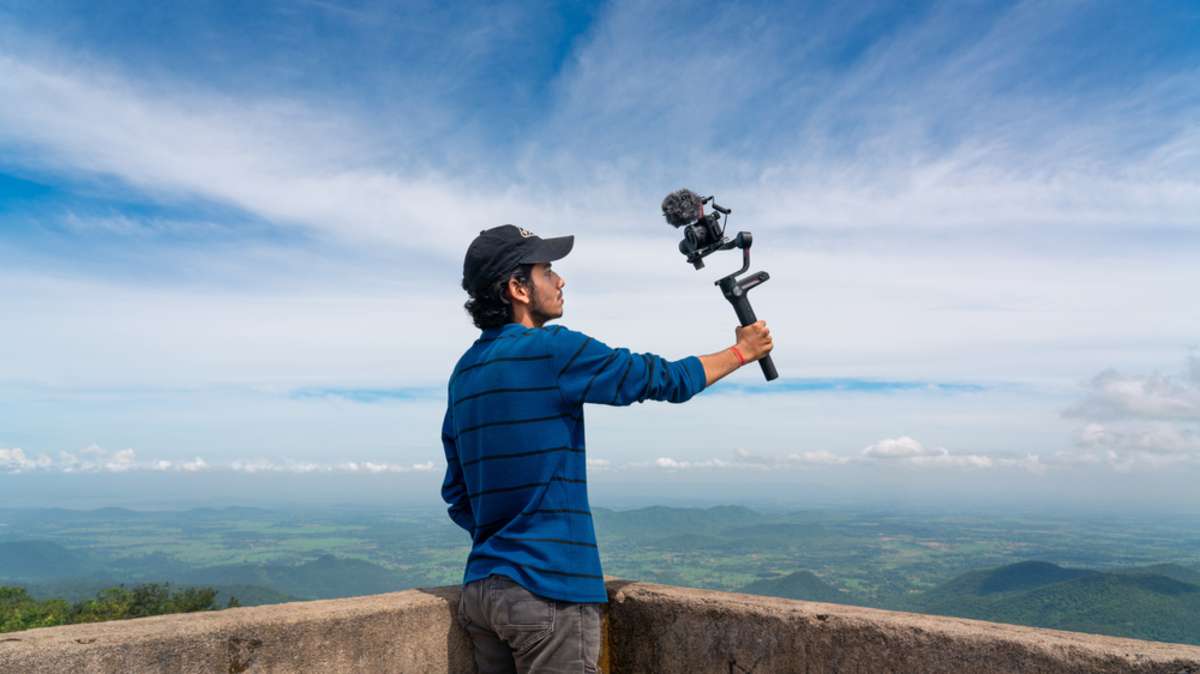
{"x":518,"y":293}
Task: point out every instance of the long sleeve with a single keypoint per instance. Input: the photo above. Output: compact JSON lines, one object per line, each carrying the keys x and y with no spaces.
{"x":591,"y":371}
{"x":454,"y":489}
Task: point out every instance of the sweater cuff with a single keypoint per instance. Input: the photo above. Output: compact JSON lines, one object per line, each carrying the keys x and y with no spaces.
{"x":695,"y":372}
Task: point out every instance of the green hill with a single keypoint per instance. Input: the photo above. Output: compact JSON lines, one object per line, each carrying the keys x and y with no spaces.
{"x":1136,"y":603}
{"x":799,"y":585}
{"x":1175,"y":571}
{"x":978,"y":587}
{"x":326,"y":577}
{"x":41,"y":560}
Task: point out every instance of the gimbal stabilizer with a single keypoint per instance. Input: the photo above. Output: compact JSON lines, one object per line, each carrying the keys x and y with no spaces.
{"x":703,"y":235}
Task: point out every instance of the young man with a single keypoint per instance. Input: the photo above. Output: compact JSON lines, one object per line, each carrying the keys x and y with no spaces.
{"x":516,"y":474}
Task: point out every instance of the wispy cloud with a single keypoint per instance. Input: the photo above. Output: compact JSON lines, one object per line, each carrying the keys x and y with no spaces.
{"x":1139,"y":420}
{"x":372,"y":395}
{"x":902,"y":450}
{"x":947,"y":196}
{"x":1113,"y":396}
{"x":94,"y":459}
{"x":902,"y":447}
{"x":269,"y":466}
{"x":851,"y":385}
{"x":907,"y":450}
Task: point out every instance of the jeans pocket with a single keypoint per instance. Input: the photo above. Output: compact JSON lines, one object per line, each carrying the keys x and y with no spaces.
{"x":527,"y":623}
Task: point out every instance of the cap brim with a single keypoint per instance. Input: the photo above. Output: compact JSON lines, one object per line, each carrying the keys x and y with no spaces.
{"x":549,"y":250}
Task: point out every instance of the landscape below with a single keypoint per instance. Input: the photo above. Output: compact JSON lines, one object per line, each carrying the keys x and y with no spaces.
{"x":1121,"y":576}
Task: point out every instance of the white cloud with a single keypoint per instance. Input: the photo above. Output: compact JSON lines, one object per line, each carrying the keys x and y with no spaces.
{"x":120,"y":461}
{"x":1115,"y":396}
{"x":296,"y":163}
{"x":669,"y":463}
{"x":819,"y":457}
{"x":1129,"y":445}
{"x":902,"y":447}
{"x":14,"y":460}
{"x":95,"y":459}
{"x":302,"y":467}
{"x":195,"y":465}
{"x":1139,"y":421}
{"x":909,"y":451}
{"x":903,"y":450}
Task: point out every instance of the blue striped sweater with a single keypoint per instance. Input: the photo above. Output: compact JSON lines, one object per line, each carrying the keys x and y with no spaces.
{"x":516,"y":469}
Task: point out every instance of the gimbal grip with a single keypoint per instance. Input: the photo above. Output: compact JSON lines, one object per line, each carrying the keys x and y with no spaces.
{"x":745,"y":314}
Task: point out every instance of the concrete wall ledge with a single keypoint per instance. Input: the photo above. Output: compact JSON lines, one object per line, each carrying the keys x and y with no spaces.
{"x":649,"y":628}
{"x":668,"y":630}
{"x":410,"y":631}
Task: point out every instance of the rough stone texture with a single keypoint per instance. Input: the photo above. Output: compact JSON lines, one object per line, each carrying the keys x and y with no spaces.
{"x":668,"y":630}
{"x":648,"y":628}
{"x":402,"y":632}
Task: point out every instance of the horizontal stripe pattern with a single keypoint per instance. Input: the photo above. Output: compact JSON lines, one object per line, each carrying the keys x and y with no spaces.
{"x":513,"y":422}
{"x":520,"y":455}
{"x":530,"y":485}
{"x":496,"y":391}
{"x":516,"y":462}
{"x":475,"y":556}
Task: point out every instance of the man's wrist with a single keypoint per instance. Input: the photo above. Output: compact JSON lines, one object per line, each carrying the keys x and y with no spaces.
{"x":741,"y":358}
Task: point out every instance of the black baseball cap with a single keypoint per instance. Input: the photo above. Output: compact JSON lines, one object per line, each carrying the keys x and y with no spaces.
{"x":499,"y":250}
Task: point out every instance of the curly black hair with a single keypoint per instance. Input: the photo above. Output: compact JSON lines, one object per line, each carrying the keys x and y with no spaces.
{"x":492,"y":308}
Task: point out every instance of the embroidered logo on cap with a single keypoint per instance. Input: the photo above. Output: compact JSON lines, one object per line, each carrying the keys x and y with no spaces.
{"x":525,"y":232}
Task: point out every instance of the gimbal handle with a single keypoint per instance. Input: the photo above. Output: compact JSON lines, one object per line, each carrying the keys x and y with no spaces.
{"x":735,"y":291}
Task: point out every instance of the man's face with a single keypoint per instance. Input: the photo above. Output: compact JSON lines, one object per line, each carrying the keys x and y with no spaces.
{"x":547,"y":298}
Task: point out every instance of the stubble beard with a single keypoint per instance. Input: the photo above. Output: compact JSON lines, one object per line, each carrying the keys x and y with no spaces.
{"x":537,"y":311}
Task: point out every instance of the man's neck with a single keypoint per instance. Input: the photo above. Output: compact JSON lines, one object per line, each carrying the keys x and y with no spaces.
{"x":528,"y":322}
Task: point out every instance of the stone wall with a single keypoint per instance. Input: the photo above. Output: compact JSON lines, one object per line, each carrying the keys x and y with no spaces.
{"x":669,"y":630}
{"x":407,"y":631}
{"x":648,"y":628}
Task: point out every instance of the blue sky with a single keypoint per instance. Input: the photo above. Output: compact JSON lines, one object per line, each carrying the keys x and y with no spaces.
{"x":231,"y":234}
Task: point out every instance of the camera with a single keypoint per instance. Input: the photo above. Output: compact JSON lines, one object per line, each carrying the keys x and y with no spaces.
{"x":704,"y":234}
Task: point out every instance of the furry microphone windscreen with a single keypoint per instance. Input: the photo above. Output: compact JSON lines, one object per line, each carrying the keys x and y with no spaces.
{"x":682,"y":207}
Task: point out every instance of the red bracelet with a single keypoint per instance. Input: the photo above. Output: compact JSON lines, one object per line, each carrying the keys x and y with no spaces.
{"x":741,"y":358}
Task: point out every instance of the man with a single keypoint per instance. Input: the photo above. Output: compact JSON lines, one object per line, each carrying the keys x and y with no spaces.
{"x":516,"y":474}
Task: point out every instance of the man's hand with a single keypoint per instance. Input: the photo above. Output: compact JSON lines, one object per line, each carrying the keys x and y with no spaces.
{"x":754,"y":341}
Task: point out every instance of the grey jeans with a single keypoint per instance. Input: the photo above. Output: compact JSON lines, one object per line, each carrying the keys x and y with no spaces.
{"x":514,"y":630}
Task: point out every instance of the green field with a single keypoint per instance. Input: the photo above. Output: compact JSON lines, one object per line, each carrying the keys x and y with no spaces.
{"x":895,"y":560}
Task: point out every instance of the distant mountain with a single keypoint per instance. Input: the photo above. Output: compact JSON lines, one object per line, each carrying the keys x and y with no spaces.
{"x":40,"y":560}
{"x":326,"y":577}
{"x":1175,"y":571}
{"x":1137,"y":602}
{"x":1011,"y":578}
{"x":799,"y":585}
{"x":250,"y":595}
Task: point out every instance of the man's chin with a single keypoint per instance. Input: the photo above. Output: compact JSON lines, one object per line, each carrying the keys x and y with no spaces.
{"x":544,"y":317}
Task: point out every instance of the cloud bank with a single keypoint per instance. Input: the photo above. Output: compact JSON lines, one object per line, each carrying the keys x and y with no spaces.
{"x":1139,"y":420}
{"x":94,"y":459}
